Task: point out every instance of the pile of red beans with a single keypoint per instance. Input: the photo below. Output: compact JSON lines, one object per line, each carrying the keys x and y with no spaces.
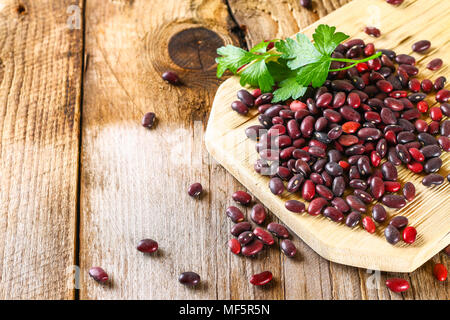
{"x":330,"y":146}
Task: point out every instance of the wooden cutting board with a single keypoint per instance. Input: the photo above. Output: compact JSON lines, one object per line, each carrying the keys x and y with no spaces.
{"x":429,"y":212}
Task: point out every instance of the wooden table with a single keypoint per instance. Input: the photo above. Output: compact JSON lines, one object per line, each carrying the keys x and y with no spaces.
{"x":82,"y":182}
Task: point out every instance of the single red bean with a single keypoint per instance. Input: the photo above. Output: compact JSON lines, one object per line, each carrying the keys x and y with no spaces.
{"x":353,"y":219}
{"x":392,"y":234}
{"x":252,"y":248}
{"x":308,"y":190}
{"x":288,"y":248}
{"x":421,"y":46}
{"x":234,"y":246}
{"x":435,"y":64}
{"x":246,"y":97}
{"x":316,"y":206}
{"x":409,"y":191}
{"x":171,"y":77}
{"x":393,"y":201}
{"x":195,"y":189}
{"x":242,"y":197}
{"x":432,"y":179}
{"x":392,"y":186}
{"x":264,"y":236}
{"x":235,"y":214}
{"x":295,"y":206}
{"x":333,"y":214}
{"x":189,"y":278}
{"x":278,"y":230}
{"x":258,"y":214}
{"x":409,"y":234}
{"x":147,"y":246}
{"x":148,"y":120}
{"x":379,"y":213}
{"x":399,"y":222}
{"x":440,"y":272}
{"x":239,"y":107}
{"x":355,"y":203}
{"x":98,"y":274}
{"x":240,"y":227}
{"x":261,"y":278}
{"x":246,"y":237}
{"x":368,"y":224}
{"x":397,"y":284}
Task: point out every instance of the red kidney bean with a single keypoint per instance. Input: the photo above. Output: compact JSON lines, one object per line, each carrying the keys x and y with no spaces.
{"x":379,"y":213}
{"x":254,"y":132}
{"x":147,"y":246}
{"x":278,"y":230}
{"x":308,"y":190}
{"x":426,"y":85}
{"x":387,"y":116}
{"x":295,"y":206}
{"x":402,"y":153}
{"x":258,"y":214}
{"x":409,"y":69}
{"x":405,"y":59}
{"x":324,"y":100}
{"x":384,"y":86}
{"x":195,"y":189}
{"x":392,"y":234}
{"x":377,"y":187}
{"x":421,"y":46}
{"x":316,"y":178}
{"x":246,"y":237}
{"x":421,"y":125}
{"x":368,"y":224}
{"x":240,"y":227}
{"x":392,"y":186}
{"x":263,"y":99}
{"x":362,"y":195}
{"x":246,"y":97}
{"x":431,"y":151}
{"x":444,"y":142}
{"x":363,"y":165}
{"x":393,"y":201}
{"x":333,"y":214}
{"x":264,"y":236}
{"x":409,"y":234}
{"x":399,"y":222}
{"x":338,"y":186}
{"x":353,"y":219}
{"x":235,"y":214}
{"x":389,"y":171}
{"x":416,"y":154}
{"x":242,"y":197}
{"x":263,"y":277}
{"x":316,"y":206}
{"x":440,"y":272}
{"x":445,"y":128}
{"x":358,"y":184}
{"x":432,"y":179}
{"x":432,"y":165}
{"x":355,"y":203}
{"x":426,"y":139}
{"x":409,"y":191}
{"x":369,"y":134}
{"x":148,"y":120}
{"x":98,"y":274}
{"x":340,"y":204}
{"x":234,"y":246}
{"x":307,"y":126}
{"x":447,"y":250}
{"x":252,"y":248}
{"x":393,"y":104}
{"x":397,"y":284}
{"x":435,"y":64}
{"x":276,"y":185}
{"x":306,"y":3}
{"x":171,"y":77}
{"x":415,"y":167}
{"x":239,"y":107}
{"x":324,"y":192}
{"x":295,"y":183}
{"x":288,"y":248}
{"x":442,"y":95}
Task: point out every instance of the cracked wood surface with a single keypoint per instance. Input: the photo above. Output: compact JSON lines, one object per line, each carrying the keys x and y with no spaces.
{"x":133,"y":181}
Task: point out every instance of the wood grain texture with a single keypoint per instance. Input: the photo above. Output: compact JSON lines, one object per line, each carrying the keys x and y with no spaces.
{"x":40,"y":84}
{"x":435,"y":233}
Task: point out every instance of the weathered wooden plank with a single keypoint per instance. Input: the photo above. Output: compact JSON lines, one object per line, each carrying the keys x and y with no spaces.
{"x":40,"y":81}
{"x":134,"y":181}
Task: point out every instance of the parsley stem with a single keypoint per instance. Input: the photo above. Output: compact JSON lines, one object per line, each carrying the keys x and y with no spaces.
{"x":353,"y":62}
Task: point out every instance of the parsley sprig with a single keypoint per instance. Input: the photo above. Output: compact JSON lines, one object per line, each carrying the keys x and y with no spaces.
{"x":292,"y":64}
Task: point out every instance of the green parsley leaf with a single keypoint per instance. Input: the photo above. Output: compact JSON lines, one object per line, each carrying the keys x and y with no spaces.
{"x":326,"y":40}
{"x":257,"y":74}
{"x":232,"y":59}
{"x":289,"y":88}
{"x":260,"y":47}
{"x":300,"y":52}
{"x":279,"y":70}
{"x":315,"y":73}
